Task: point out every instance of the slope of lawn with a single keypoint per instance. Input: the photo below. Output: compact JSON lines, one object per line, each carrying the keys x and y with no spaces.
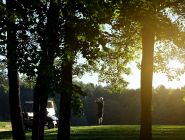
{"x":108,"y":132}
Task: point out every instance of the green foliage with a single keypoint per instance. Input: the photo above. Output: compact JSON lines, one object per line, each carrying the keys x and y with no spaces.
{"x":77,"y":93}
{"x":77,"y":103}
{"x":28,"y":82}
{"x":166,"y":53}
{"x":165,"y":17}
{"x":124,"y":47}
{"x":84,"y":22}
{"x":3,"y":77}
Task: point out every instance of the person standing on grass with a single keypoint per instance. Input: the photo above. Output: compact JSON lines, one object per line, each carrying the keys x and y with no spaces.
{"x":100,"y":105}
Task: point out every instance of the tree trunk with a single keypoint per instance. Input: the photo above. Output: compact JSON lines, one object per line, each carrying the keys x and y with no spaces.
{"x":43,"y":105}
{"x":44,"y":80}
{"x":14,"y":91}
{"x":148,"y":36}
{"x":41,"y":89}
{"x":36,"y":110}
{"x":65,"y":102}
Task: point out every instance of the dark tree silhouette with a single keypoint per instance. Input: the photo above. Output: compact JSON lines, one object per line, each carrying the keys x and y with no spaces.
{"x":49,"y":46}
{"x":148,"y":35}
{"x":14,"y":91}
{"x":81,"y":33}
{"x":65,"y":101}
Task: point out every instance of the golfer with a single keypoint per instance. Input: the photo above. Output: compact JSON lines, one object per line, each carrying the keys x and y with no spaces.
{"x":100,"y":105}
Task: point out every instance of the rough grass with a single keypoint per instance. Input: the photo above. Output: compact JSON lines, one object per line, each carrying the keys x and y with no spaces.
{"x":109,"y":132}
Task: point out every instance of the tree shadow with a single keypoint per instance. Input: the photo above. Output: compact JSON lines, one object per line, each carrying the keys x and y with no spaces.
{"x":6,"y":135}
{"x":50,"y":135}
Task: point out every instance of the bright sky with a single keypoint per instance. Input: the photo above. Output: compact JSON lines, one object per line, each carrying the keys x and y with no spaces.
{"x":134,"y":78}
{"x":158,"y":78}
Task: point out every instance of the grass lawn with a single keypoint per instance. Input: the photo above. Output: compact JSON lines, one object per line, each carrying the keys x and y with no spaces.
{"x":5,"y":126}
{"x":107,"y":132}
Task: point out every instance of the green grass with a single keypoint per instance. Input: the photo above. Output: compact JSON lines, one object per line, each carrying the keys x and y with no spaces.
{"x":5,"y":126}
{"x":110,"y":132}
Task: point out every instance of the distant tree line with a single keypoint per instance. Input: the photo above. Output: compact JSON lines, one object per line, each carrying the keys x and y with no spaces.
{"x":168,"y":105}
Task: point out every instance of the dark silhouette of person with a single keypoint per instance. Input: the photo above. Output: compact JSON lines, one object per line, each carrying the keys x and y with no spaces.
{"x":100,"y":106}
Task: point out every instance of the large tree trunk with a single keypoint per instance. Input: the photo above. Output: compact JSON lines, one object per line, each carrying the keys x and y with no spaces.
{"x":65,"y":102}
{"x":14,"y":92}
{"x":44,"y":79}
{"x":148,"y":36}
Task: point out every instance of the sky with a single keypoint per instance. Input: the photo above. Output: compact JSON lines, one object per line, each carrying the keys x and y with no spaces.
{"x":134,"y":79}
{"x":158,"y":79}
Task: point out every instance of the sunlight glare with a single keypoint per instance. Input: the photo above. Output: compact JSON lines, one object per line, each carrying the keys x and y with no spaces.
{"x":175,"y":64}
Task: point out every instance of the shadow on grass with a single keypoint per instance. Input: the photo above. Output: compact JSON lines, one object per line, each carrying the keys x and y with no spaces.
{"x":50,"y":134}
{"x":6,"y":135}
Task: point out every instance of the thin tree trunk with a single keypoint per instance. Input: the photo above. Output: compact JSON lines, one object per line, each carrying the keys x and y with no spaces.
{"x":36,"y":110}
{"x":43,"y":105}
{"x":65,"y":102}
{"x":148,"y":36}
{"x":14,"y":91}
{"x":41,"y":88}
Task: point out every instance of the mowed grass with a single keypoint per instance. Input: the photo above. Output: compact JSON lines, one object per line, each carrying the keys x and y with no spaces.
{"x":108,"y":132}
{"x":5,"y":126}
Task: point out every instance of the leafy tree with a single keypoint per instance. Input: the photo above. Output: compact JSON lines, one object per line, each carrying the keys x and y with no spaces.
{"x":18,"y":54}
{"x":154,"y":23}
{"x":32,"y":32}
{"x":49,"y":42}
{"x":123,"y":47}
{"x":147,"y":65}
{"x":81,"y":33}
